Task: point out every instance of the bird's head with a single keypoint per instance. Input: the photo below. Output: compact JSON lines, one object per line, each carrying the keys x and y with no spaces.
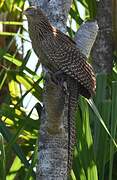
{"x":34,"y":13}
{"x":38,"y":23}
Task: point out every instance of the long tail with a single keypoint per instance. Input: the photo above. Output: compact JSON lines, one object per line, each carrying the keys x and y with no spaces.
{"x":73,"y":97}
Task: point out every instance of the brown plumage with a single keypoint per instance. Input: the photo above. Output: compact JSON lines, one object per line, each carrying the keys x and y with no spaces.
{"x":58,"y":52}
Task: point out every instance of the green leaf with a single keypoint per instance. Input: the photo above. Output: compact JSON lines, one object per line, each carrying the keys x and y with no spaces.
{"x":11,"y":23}
{"x":2,"y":159}
{"x":84,"y":153}
{"x":95,"y":110}
{"x":33,"y":162}
{"x":7,"y":135}
{"x":16,"y":165}
{"x":12,"y":59}
{"x":113,"y":125}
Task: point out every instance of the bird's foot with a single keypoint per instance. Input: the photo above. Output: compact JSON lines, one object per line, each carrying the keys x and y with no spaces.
{"x":60,"y":79}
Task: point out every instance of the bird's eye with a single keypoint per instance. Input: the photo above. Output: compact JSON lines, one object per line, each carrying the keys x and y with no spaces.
{"x":29,"y":12}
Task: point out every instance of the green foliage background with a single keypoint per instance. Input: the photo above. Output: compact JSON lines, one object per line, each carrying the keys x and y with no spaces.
{"x":95,"y":154}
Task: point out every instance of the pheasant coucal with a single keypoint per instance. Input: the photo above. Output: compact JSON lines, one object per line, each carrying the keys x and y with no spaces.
{"x":59,"y":53}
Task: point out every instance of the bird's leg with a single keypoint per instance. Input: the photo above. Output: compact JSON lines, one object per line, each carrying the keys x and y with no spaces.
{"x":59,"y":78}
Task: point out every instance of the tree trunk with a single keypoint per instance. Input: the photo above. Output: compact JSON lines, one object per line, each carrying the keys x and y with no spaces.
{"x":103,"y":48}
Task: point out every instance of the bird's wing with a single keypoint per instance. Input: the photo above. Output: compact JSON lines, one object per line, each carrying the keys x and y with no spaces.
{"x":73,"y":63}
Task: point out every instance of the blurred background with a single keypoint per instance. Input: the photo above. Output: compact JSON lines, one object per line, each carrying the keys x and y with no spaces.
{"x":21,"y":87}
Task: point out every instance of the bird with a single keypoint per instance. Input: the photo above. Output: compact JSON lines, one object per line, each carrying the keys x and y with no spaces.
{"x":59,"y":53}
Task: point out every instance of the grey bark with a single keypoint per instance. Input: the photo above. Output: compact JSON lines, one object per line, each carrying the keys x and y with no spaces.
{"x":103,"y":48}
{"x":85,"y":37}
{"x":114,"y":19}
{"x":53,"y":141}
{"x":56,"y":11}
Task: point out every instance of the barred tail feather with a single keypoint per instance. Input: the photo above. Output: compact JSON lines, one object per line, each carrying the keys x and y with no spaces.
{"x":73,"y":97}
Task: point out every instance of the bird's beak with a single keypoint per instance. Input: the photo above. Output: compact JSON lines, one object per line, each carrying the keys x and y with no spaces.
{"x":25,"y":13}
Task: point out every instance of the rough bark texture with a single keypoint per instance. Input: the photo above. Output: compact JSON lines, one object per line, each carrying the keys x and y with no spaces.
{"x":53,"y":142}
{"x":114,"y":17}
{"x":85,"y":37}
{"x":103,"y":48}
{"x":56,"y":10}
